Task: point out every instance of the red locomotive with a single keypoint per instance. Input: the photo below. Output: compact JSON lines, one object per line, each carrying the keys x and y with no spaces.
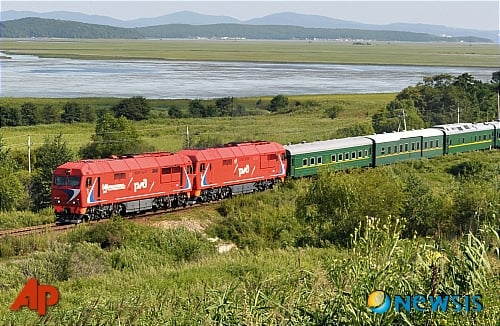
{"x":236,"y":168}
{"x":95,"y":189}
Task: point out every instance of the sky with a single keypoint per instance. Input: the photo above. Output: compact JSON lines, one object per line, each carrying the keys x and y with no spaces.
{"x":460,"y":14}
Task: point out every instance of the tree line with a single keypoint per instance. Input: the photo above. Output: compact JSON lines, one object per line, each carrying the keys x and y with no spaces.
{"x":136,"y":108}
{"x":440,"y":99}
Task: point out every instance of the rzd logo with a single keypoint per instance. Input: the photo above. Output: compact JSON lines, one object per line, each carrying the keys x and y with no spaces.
{"x":140,"y":185}
{"x":244,"y":170}
{"x":36,"y":297}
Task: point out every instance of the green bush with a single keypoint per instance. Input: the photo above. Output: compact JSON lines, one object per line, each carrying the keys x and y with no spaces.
{"x":260,"y":220}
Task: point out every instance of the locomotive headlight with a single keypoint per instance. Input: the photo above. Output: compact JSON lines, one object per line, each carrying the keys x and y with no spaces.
{"x":73,"y":202}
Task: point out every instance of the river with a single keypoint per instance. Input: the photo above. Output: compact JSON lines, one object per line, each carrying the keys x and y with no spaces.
{"x":31,"y":76}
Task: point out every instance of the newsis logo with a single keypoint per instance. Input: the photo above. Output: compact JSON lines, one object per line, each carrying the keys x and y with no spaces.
{"x":380,"y":302}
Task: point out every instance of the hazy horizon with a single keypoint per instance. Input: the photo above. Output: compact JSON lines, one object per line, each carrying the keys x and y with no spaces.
{"x":482,"y":15}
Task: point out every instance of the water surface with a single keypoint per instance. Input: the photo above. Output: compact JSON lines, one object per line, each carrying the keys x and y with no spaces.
{"x":31,"y":76}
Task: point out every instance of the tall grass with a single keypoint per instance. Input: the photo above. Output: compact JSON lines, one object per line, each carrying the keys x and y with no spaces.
{"x":441,"y":54}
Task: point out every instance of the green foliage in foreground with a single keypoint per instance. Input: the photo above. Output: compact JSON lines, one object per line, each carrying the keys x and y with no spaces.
{"x":443,"y":197}
{"x":148,"y":279}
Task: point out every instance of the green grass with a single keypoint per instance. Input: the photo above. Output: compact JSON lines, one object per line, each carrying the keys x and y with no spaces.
{"x":139,"y":282}
{"x":391,"y":53}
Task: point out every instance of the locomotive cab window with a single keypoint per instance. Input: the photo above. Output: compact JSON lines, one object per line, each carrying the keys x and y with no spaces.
{"x":202,"y":167}
{"x":60,"y":181}
{"x":67,"y":181}
{"x":74,"y":181}
{"x":88,"y":181}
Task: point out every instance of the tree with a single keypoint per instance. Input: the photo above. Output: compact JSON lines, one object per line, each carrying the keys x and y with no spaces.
{"x":73,"y":112}
{"x":495,"y":77}
{"x":357,"y":129}
{"x":279,"y":102}
{"x":225,"y":105}
{"x":113,"y":136}
{"x":49,"y":114}
{"x":49,"y":156}
{"x":135,"y":108}
{"x":174,"y":112}
{"x":10,"y":116}
{"x":438,"y":98}
{"x":30,"y":114}
{"x":394,"y":116}
{"x":12,"y":192}
{"x":196,"y":108}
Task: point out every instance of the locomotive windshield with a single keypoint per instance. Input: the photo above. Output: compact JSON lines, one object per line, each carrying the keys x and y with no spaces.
{"x":67,"y":181}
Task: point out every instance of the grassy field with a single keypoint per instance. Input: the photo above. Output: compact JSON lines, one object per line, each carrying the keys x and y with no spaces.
{"x":387,"y":53}
{"x":308,"y":122}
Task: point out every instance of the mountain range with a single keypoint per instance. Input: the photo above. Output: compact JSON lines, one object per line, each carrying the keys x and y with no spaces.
{"x":283,"y":18}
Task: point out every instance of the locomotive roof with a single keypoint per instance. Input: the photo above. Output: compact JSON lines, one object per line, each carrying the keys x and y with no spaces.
{"x":326,"y":145}
{"x":396,"y":136}
{"x":232,"y":150}
{"x":459,"y":128}
{"x":127,"y":163}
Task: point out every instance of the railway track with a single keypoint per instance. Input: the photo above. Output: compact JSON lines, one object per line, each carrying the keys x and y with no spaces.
{"x":37,"y":229}
{"x":54,"y":228}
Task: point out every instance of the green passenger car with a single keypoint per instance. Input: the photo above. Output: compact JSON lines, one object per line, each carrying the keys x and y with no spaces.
{"x":308,"y":159}
{"x":465,"y":137}
{"x":405,"y":145}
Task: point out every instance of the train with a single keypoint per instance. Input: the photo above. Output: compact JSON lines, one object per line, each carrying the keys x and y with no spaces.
{"x":96,"y":189}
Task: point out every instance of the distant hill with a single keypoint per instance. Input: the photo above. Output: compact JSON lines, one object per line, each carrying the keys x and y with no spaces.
{"x":52,"y":28}
{"x":283,"y":18}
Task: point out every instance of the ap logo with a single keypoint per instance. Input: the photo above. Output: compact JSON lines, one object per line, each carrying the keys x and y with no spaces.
{"x":36,"y":297}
